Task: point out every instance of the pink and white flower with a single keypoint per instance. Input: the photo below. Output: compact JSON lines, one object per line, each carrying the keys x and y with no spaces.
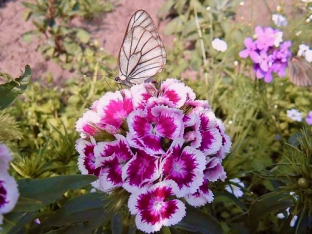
{"x":8,"y":187}
{"x":8,"y":193}
{"x":111,"y":158}
{"x":141,"y":170}
{"x":201,"y":197}
{"x":184,"y":166}
{"x":154,"y":207}
{"x":161,"y":145}
{"x":113,"y":109}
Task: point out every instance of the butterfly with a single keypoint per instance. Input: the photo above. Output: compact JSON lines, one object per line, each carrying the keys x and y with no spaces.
{"x":300,"y":71}
{"x":142,"y":54}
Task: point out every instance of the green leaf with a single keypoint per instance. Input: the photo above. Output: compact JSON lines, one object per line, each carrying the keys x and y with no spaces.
{"x":266,"y":204}
{"x":86,"y":209}
{"x":15,"y":221}
{"x":10,"y":90}
{"x":37,"y":193}
{"x":83,"y":35}
{"x":117,"y":224}
{"x":197,"y":220}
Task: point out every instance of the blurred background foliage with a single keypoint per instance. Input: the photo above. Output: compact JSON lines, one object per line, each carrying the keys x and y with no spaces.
{"x":271,"y":153}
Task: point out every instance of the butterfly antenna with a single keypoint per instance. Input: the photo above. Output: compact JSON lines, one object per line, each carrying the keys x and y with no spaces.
{"x":106,"y":68}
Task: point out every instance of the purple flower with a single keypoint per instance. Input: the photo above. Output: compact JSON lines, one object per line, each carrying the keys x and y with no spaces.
{"x":270,"y":55}
{"x":264,"y":60}
{"x":309,"y":118}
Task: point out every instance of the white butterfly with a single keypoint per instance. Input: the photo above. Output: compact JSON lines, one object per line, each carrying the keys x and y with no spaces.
{"x":142,"y":54}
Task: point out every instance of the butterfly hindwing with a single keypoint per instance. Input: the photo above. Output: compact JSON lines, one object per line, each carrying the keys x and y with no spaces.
{"x":142,"y":53}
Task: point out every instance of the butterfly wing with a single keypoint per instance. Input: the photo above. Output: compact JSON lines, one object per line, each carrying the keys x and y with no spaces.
{"x":143,"y":19}
{"x":142,"y":54}
{"x":300,"y":72}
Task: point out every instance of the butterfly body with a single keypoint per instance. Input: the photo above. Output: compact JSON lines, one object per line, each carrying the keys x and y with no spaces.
{"x":142,"y":54}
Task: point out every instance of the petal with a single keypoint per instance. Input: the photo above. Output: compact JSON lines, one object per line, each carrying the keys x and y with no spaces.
{"x":268,"y":77}
{"x":244,"y":53}
{"x":211,"y":141}
{"x":226,"y":140}
{"x":169,"y":121}
{"x":140,"y":95}
{"x":87,"y":125}
{"x":185,"y":166}
{"x":113,"y":108}
{"x":5,"y":158}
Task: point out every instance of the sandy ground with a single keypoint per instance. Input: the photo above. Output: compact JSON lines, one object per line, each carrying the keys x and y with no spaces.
{"x":15,"y":53}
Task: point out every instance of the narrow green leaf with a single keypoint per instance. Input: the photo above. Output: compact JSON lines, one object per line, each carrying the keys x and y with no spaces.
{"x":197,"y":220}
{"x":87,"y":209}
{"x":10,"y":90}
{"x":266,"y":204}
{"x":15,"y":221}
{"x":41,"y":192}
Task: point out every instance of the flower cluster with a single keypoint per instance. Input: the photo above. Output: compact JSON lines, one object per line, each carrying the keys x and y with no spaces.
{"x":159,"y":144}
{"x":8,"y":186}
{"x":268,"y":52}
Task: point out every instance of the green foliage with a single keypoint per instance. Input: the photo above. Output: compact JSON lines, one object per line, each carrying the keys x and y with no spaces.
{"x":60,"y":39}
{"x":9,"y":91}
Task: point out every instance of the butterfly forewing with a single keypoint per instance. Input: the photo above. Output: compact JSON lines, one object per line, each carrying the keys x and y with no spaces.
{"x":300,"y":72}
{"x":142,"y":53}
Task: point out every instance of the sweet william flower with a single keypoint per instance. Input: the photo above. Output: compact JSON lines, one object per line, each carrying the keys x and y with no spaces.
{"x":8,"y":194}
{"x":153,"y":209}
{"x":160,"y":146}
{"x":8,"y":187}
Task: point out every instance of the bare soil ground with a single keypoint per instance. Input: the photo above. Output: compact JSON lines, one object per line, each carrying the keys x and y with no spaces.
{"x":15,"y":53}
